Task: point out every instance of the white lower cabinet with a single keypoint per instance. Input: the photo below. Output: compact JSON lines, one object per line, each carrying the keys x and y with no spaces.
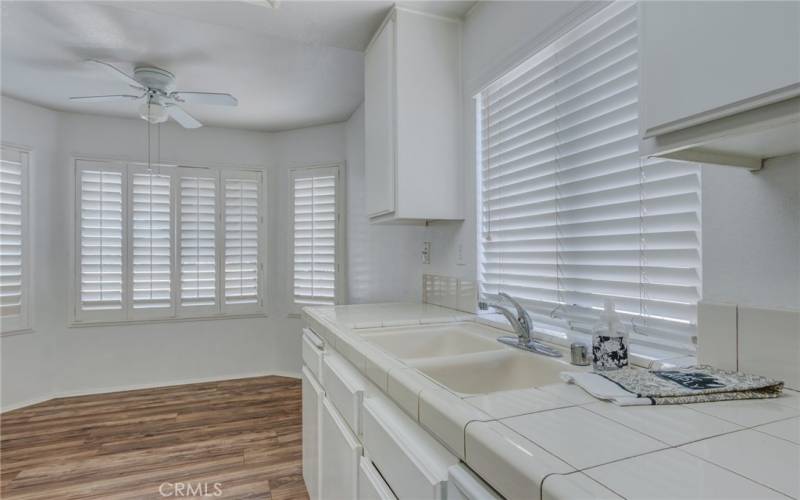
{"x":463,"y":484}
{"x":340,"y":456}
{"x":358,"y":444}
{"x":312,"y":406}
{"x":411,"y":461}
{"x":371,"y":485}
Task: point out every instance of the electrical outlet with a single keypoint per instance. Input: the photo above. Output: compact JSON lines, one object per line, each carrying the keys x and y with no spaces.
{"x":460,"y":255}
{"x":426,"y":252}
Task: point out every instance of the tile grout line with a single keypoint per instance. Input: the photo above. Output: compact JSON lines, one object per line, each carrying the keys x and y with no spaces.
{"x":777,"y":437}
{"x":737,"y":473}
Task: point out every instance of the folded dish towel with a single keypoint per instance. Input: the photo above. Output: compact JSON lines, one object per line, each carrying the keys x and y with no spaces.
{"x":697,"y":384}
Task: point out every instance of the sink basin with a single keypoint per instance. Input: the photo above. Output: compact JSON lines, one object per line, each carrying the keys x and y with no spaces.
{"x":427,"y":341}
{"x":493,"y":371}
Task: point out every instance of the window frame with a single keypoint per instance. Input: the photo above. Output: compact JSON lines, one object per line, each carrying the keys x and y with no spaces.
{"x":21,"y":323}
{"x":177,"y":313}
{"x":340,"y":286}
{"x":561,"y":330}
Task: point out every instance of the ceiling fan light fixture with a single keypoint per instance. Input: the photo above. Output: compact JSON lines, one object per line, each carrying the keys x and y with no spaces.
{"x":153,"y":112}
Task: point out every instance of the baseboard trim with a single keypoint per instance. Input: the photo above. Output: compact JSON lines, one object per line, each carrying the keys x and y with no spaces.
{"x":23,"y":404}
{"x":154,"y":385}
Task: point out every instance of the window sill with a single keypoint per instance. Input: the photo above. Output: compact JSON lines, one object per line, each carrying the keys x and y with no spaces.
{"x":89,"y":324}
{"x":648,"y":358}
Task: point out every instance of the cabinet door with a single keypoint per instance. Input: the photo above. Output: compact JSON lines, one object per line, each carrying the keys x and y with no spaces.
{"x":312,"y":401}
{"x":704,"y":60}
{"x":340,"y":454}
{"x":379,"y":118}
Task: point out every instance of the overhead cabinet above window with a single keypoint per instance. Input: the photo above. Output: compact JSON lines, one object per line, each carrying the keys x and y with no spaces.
{"x":720,"y":81}
{"x":412,"y":119}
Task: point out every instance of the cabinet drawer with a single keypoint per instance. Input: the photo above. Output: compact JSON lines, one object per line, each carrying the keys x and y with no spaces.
{"x":463,"y":484}
{"x":371,"y":485}
{"x":313,"y":347}
{"x":344,"y":387}
{"x":412,"y":462}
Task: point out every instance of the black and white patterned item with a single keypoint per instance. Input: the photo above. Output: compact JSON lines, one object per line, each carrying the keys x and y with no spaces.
{"x":609,"y":353}
{"x":609,"y":342}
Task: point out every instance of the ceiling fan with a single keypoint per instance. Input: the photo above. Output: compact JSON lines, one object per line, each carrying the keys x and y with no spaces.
{"x":161,"y":101}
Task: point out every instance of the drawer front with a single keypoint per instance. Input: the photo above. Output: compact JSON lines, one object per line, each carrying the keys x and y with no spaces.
{"x":340,"y":455}
{"x":344,"y":387}
{"x":371,"y":485}
{"x":413,"y":464}
{"x":312,"y":352}
{"x":463,"y":484}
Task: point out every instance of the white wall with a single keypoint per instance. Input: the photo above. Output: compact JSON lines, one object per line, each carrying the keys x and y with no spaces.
{"x":384,"y":261}
{"x":26,"y":374}
{"x":751,"y":235}
{"x":55,"y":359}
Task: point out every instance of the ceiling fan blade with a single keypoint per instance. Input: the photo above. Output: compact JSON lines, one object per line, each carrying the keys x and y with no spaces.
{"x":106,"y":98}
{"x":179,"y":115}
{"x":213,"y":98}
{"x":118,"y":73}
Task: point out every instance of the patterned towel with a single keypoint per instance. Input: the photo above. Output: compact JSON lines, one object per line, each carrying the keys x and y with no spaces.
{"x":697,"y":384}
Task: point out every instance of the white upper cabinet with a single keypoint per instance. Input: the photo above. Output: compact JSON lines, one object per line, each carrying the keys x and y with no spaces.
{"x":716,"y":75}
{"x":412,"y":119}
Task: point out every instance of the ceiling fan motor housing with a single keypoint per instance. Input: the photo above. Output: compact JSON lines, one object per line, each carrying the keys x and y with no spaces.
{"x":155,"y":78}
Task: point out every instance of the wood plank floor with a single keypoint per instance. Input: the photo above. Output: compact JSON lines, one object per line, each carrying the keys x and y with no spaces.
{"x":244,"y":435}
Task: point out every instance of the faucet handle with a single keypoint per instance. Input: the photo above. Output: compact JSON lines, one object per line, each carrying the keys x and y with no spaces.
{"x":522,"y":315}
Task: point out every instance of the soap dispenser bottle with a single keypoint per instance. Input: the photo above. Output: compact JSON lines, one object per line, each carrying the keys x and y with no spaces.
{"x":609,"y":341}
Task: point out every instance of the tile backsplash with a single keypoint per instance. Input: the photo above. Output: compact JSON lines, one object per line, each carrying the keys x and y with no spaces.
{"x":751,"y":339}
{"x":450,"y":292}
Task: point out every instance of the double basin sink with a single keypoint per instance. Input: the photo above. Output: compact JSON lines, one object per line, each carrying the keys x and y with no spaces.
{"x":466,"y":358}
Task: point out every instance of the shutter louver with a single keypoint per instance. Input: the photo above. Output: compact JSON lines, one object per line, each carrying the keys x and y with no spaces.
{"x":101,"y":231}
{"x":197,"y":240}
{"x":241,"y":222}
{"x":151,"y":238}
{"x":570,"y":216}
{"x":314,"y":223}
{"x":12,"y":240}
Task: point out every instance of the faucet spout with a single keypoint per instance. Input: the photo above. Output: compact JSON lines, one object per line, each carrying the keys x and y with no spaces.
{"x":522,"y":324}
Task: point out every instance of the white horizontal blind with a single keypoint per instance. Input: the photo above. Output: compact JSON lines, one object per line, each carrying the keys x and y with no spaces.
{"x":314,"y":225}
{"x":241,"y":219}
{"x":13,"y":222}
{"x":570,"y":216}
{"x":101,"y":230}
{"x":198,"y":259}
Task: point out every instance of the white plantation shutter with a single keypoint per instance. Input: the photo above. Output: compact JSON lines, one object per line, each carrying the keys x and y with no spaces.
{"x":151,"y":241}
{"x":167,"y":241}
{"x":570,"y":215}
{"x":314,"y":223}
{"x":242,"y":221}
{"x":13,"y":240}
{"x":198,"y":258}
{"x":101,"y":231}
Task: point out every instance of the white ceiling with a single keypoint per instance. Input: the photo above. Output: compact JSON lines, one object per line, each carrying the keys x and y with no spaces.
{"x":295,"y":66}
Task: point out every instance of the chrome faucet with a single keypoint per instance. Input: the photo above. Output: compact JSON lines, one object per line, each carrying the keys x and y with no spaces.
{"x":522,"y":324}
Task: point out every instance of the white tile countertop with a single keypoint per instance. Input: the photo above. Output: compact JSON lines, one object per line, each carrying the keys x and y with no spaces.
{"x":557,"y":442}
